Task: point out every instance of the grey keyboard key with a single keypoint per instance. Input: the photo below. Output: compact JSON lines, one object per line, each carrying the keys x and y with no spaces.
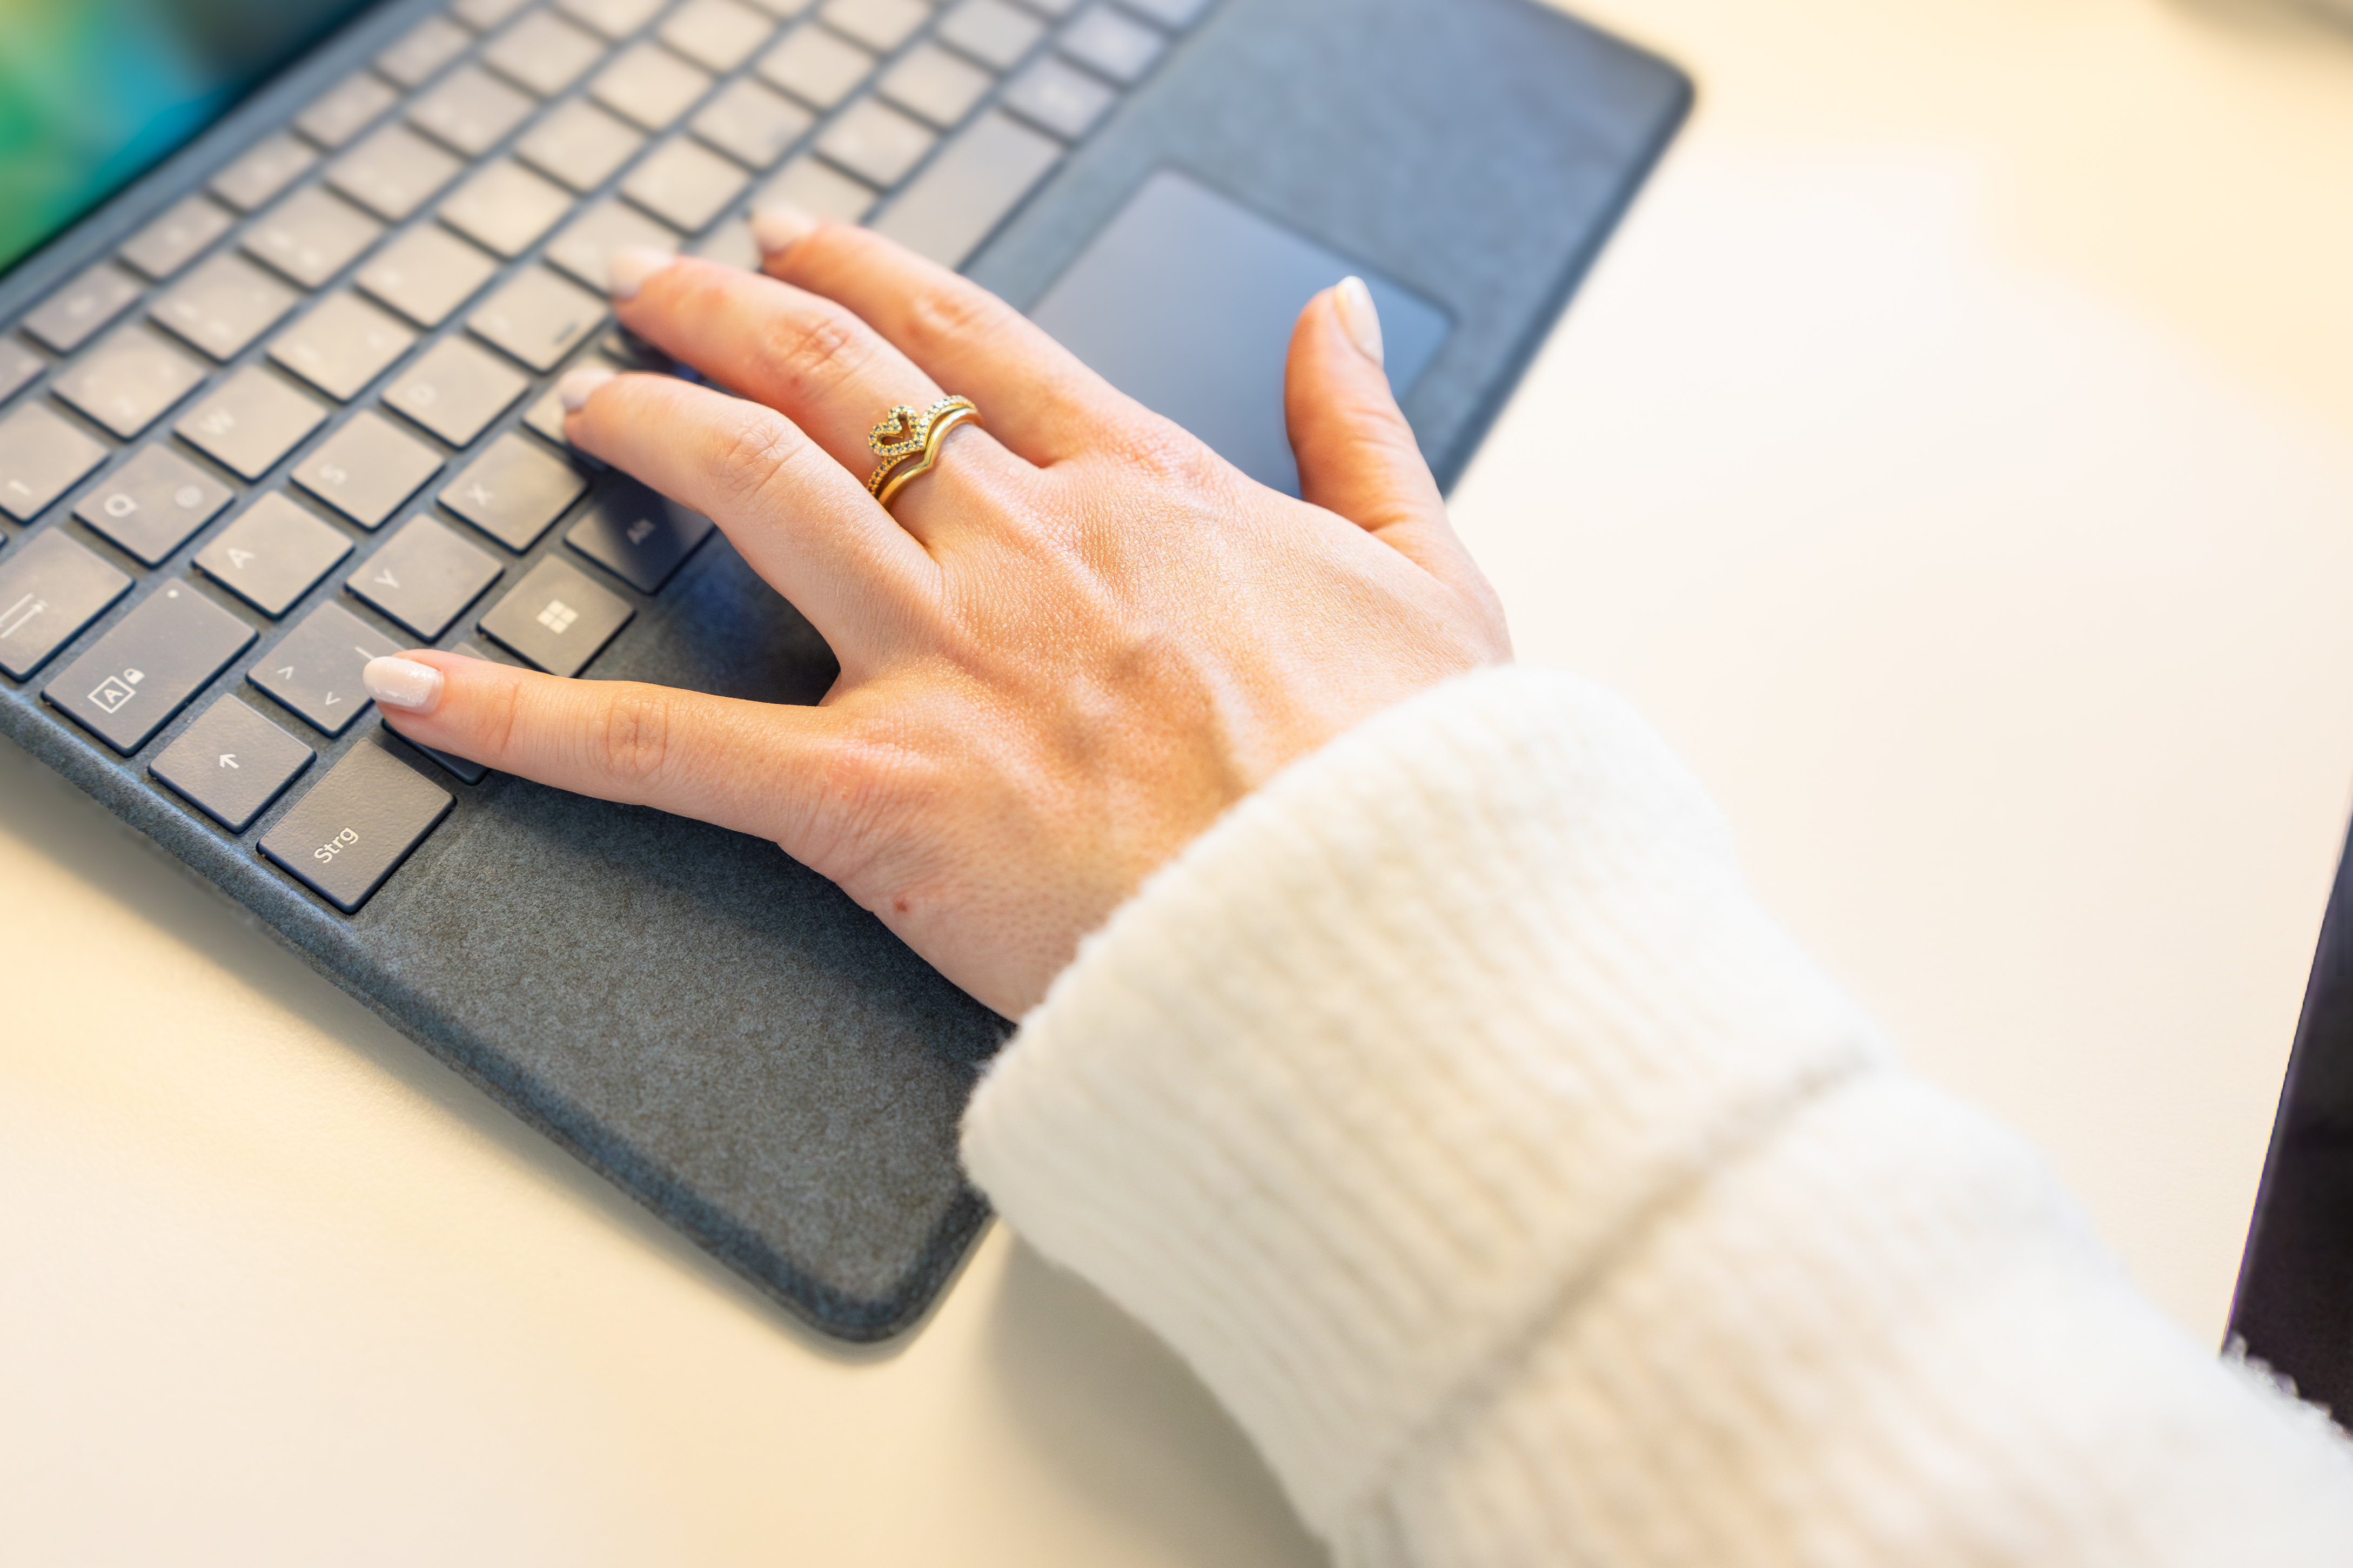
{"x":538,"y":317}
{"x":154,"y":503}
{"x":557,"y":617}
{"x":542,"y":53}
{"x":875,"y":141}
{"x":1174,"y":14}
{"x":49,"y":590}
{"x":312,"y":236}
{"x":819,"y":188}
{"x":750,"y":124}
{"x":638,"y":534}
{"x":934,"y":84}
{"x":614,"y":18}
{"x":484,"y":14}
{"x":424,"y":577}
{"x":249,"y":421}
{"x":18,"y":368}
{"x":393,"y":173}
{"x":580,"y":144}
{"x":345,"y":110}
{"x":41,"y":457}
{"x":649,"y":86}
{"x":68,"y":318}
{"x":1059,"y":97}
{"x":424,"y":50}
{"x":314,"y":672}
{"x":231,"y":764}
{"x":685,"y":184}
{"x":129,"y":683}
{"x":1117,"y":46}
{"x":881,"y":25}
{"x":367,"y":469}
{"x":471,"y":111}
{"x":455,"y":390}
{"x":584,"y":247}
{"x":718,"y":35}
{"x":816,"y":67}
{"x":991,"y":31}
{"x":954,"y":203}
{"x":514,"y":492}
{"x":224,"y":305}
{"x":262,"y":170}
{"x":128,"y":382}
{"x":733,"y":243}
{"x":273,"y":554}
{"x":176,"y":239}
{"x":506,"y":208}
{"x":341,"y":345}
{"x":426,"y":274}
{"x":356,"y":826}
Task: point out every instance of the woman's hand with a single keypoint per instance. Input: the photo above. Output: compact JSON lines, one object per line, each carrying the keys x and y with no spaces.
{"x":1082,"y":636}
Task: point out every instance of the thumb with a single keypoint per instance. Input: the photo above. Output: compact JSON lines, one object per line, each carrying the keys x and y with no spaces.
{"x":1357,"y":454}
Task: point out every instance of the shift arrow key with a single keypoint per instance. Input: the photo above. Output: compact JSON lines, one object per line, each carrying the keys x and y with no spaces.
{"x":232,"y":762}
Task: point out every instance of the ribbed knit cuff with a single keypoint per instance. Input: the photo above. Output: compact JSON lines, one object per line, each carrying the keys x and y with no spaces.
{"x":1393,"y":1063}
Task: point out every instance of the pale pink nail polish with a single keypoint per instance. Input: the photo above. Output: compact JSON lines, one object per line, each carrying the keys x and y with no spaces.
{"x":402,"y":683}
{"x":576,"y":385}
{"x":780,"y":225}
{"x":626,"y":269}
{"x":1358,"y":319}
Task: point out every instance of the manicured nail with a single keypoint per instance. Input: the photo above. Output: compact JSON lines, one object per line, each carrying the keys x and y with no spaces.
{"x":574,"y":389}
{"x":626,"y":269}
{"x":402,"y":683}
{"x":780,"y":227}
{"x":1357,"y":317}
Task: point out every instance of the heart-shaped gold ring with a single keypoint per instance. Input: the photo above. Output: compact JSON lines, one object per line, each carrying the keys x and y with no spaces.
{"x":909,"y":443}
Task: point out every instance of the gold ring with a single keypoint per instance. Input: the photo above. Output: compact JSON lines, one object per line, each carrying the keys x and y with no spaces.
{"x":909,"y":443}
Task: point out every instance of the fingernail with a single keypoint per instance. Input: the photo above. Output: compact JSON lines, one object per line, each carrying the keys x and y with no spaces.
{"x":574,"y":389}
{"x":402,"y":683}
{"x":1357,"y":317}
{"x":626,"y":269}
{"x":780,"y":225}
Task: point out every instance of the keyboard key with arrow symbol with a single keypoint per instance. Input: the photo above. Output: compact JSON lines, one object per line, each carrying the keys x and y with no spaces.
{"x":315,"y":671}
{"x":231,"y":764}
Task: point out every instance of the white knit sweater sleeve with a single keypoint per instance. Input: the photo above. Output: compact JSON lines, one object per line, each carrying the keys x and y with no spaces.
{"x":1454,"y":1111}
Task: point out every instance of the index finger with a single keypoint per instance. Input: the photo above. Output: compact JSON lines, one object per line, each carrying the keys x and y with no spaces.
{"x":756,"y":767}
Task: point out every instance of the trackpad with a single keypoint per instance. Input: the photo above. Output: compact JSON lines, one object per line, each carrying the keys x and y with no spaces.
{"x":1186,"y":301}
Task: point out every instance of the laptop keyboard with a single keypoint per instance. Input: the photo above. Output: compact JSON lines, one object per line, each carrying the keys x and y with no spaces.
{"x":346,"y":345}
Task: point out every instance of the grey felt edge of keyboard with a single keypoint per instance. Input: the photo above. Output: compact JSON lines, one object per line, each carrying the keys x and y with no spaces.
{"x":327,"y":942}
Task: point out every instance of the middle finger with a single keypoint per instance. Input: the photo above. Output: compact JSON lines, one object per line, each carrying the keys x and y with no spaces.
{"x":810,"y":359}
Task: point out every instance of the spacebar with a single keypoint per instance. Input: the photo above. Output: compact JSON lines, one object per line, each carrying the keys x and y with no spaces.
{"x":952,"y":206}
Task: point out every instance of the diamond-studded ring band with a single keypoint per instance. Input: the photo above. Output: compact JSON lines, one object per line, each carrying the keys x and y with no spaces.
{"x":909,"y":443}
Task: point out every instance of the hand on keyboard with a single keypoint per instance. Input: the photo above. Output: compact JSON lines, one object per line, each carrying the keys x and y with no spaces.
{"x":1064,"y":651}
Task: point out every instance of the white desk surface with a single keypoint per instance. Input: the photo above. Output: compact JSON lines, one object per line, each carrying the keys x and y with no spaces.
{"x":1954,"y":455}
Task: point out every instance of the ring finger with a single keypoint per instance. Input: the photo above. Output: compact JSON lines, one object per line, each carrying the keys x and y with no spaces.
{"x":806,"y":356}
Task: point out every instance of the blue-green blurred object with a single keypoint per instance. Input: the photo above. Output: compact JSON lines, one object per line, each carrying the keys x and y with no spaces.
{"x":93,"y":91}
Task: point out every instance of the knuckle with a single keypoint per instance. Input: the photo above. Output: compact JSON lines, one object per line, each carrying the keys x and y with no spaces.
{"x":630,"y":739}
{"x":748,"y":455}
{"x":819,"y":351}
{"x":945,"y":315}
